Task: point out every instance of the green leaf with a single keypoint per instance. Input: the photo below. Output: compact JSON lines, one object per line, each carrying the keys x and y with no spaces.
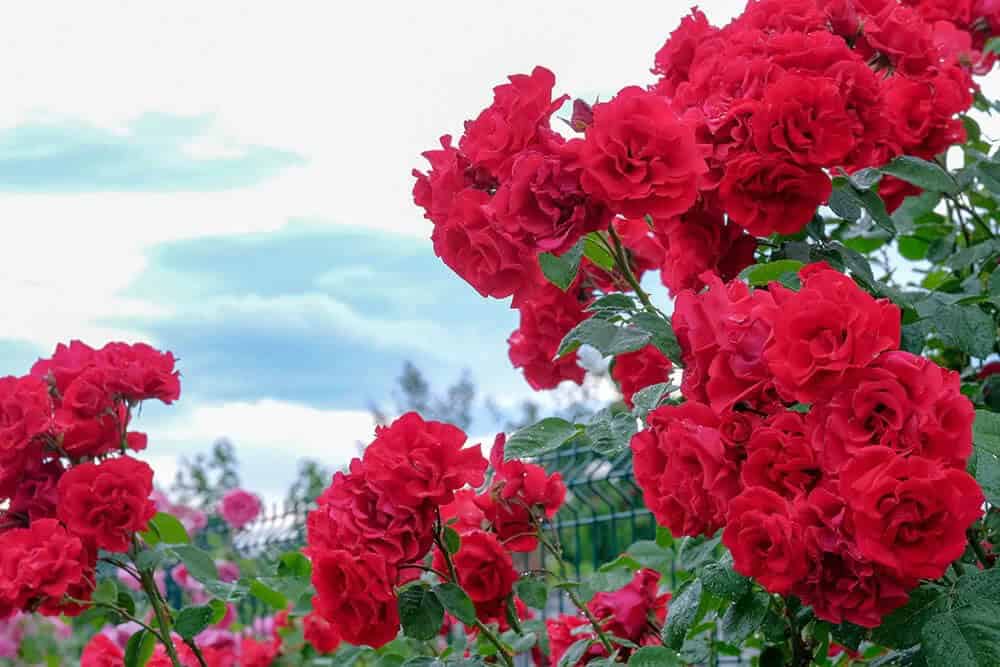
{"x":901,"y":628}
{"x":963,"y":637}
{"x":849,"y":635}
{"x":532,"y":591}
{"x":612,"y":304}
{"x":721,"y":580}
{"x":456,"y":602}
{"x":921,"y":173}
{"x":218,"y":611}
{"x":595,"y":251}
{"x":847,"y":202}
{"x":605,"y":581}
{"x":649,"y":398}
{"x":682,"y":613}
{"x":695,"y":551}
{"x":199,"y":564}
{"x":294,"y":564}
{"x":420,"y":612}
{"x":967,"y":328}
{"x":985,"y":467}
{"x":606,"y":337}
{"x":760,"y":275}
{"x":650,"y":554}
{"x":744,"y":616}
{"x":609,"y":433}
{"x":986,"y":431}
{"x":975,"y":254}
{"x":655,"y":656}
{"x":268,"y":595}
{"x":561,"y":270}
{"x":192,"y":620}
{"x":452,"y":540}
{"x":106,"y":592}
{"x":661,"y":334}
{"x":574,"y":652}
{"x":549,"y":434}
{"x":864,"y":179}
{"x":165,"y":528}
{"x":139,"y":648}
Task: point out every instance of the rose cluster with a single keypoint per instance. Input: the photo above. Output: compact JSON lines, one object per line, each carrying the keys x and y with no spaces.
{"x":834,"y":462}
{"x":69,"y":487}
{"x":376,"y":524}
{"x":738,"y":138}
{"x":628,"y":613}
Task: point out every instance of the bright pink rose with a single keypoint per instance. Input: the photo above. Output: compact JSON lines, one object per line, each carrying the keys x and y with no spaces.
{"x":239,"y":507}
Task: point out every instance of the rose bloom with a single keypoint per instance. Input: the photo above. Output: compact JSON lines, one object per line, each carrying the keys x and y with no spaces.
{"x":351,"y":514}
{"x":681,"y":465}
{"x":545,"y":320}
{"x":239,"y":507}
{"x":465,"y":511}
{"x":765,"y":194}
{"x":413,"y":461}
{"x":910,"y":514}
{"x":823,"y":331}
{"x":780,"y":456}
{"x":637,"y":370}
{"x":354,"y":593}
{"x":566,"y":630}
{"x":626,"y":611}
{"x":101,"y":651}
{"x":25,"y":413}
{"x":485,"y":572}
{"x":107,"y":502}
{"x":320,"y":634}
{"x":639,"y":158}
{"x":766,"y":541}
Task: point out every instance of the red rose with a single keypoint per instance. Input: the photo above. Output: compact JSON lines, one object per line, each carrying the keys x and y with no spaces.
{"x":780,"y":456}
{"x":478,"y":252}
{"x":485,"y":571}
{"x":545,"y":321}
{"x":625,"y":612}
{"x":107,"y":502}
{"x":987,"y":370}
{"x":542,"y":206}
{"x":639,"y":158}
{"x":465,"y":510}
{"x":765,"y":539}
{"x":257,"y":653}
{"x":921,"y":112}
{"x":90,"y":437}
{"x":354,"y":593}
{"x":899,"y":34}
{"x":697,"y":242}
{"x":42,"y":563}
{"x":36,"y":496}
{"x":637,"y":370}
{"x":910,"y":514}
{"x":449,"y":175}
{"x":765,"y":194}
{"x":412,"y":461}
{"x":894,"y":190}
{"x":680,"y":464}
{"x":805,"y":119}
{"x":354,"y":516}
{"x":65,"y":364}
{"x":517,"y":119}
{"x":101,"y":651}
{"x":674,"y":59}
{"x":723,"y":334}
{"x":902,"y":401}
{"x":825,"y":330}
{"x":25,"y":415}
{"x":140,"y":372}
{"x":320,"y":633}
{"x":566,"y":630}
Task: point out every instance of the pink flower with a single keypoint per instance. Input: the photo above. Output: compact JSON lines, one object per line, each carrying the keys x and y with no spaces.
{"x":239,"y":507}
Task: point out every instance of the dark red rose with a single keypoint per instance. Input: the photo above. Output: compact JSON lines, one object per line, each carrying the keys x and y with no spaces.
{"x":517,"y":119}
{"x":900,"y":35}
{"x":921,"y":111}
{"x":107,"y":502}
{"x":674,"y":59}
{"x":449,"y":174}
{"x":902,"y":401}
{"x":825,"y":330}
{"x":681,"y":465}
{"x":545,"y":320}
{"x":354,"y":594}
{"x":41,"y":564}
{"x":765,"y":539}
{"x":625,"y":613}
{"x":542,"y":205}
{"x":478,"y":252}
{"x":894,"y":190}
{"x":566,"y":630}
{"x":637,"y":370}
{"x":354,"y":516}
{"x":37,"y":495}
{"x":987,"y":370}
{"x":780,"y":456}
{"x":320,"y":633}
{"x":485,"y":572}
{"x":805,"y":119}
{"x":765,"y":194}
{"x":723,"y":334}
{"x":639,"y":158}
{"x":910,"y":514}
{"x":413,"y":461}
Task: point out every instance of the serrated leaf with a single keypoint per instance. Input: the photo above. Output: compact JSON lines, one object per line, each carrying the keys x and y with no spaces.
{"x":268,"y":595}
{"x":655,"y":656}
{"x":604,"y":581}
{"x":963,"y":637}
{"x":596,"y":252}
{"x":760,"y":275}
{"x":532,"y":591}
{"x":612,"y":304}
{"x":721,"y":580}
{"x":921,"y":173}
{"x":575,"y":651}
{"x":681,"y":615}
{"x":192,"y":620}
{"x":456,"y":601}
{"x":420,"y":612}
{"x":847,"y":202}
{"x":744,"y":616}
{"x":198,"y":563}
{"x":650,"y":554}
{"x":605,"y":337}
{"x":967,"y":328}
{"x":452,"y":540}
{"x":696,"y":551}
{"x":901,"y":628}
{"x":609,"y":433}
{"x":106,"y":592}
{"x":649,"y":398}
{"x":986,"y":431}
{"x":545,"y":436}
{"x":561,"y":270}
{"x":985,"y":467}
{"x":661,"y":334}
{"x":139,"y":648}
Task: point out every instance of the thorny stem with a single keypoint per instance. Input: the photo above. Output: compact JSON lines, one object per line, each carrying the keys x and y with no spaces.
{"x":502,"y":649}
{"x":197,"y":652}
{"x":622,"y":261}
{"x":162,"y":615}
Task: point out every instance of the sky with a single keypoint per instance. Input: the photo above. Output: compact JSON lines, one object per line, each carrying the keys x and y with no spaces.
{"x":231,"y":181}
